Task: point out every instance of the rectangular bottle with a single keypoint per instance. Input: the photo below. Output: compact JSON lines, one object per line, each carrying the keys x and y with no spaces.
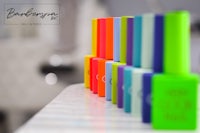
{"x":101,"y":46}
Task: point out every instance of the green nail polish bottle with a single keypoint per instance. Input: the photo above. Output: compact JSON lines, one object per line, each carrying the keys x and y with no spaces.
{"x":174,"y":104}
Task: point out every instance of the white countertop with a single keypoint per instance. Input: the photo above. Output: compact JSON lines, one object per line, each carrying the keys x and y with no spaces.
{"x":76,"y":109}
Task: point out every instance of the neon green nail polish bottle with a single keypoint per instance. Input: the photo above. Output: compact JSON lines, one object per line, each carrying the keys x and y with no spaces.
{"x":174,"y":104}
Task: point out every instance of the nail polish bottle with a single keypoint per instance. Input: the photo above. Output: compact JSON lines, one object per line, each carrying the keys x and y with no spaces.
{"x":101,"y":45}
{"x":174,"y":104}
{"x":157,"y":68}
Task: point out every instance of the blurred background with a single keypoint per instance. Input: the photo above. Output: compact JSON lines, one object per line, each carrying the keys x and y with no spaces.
{"x":38,"y":59}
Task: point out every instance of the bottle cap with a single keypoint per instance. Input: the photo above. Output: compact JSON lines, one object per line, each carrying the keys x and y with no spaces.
{"x":109,"y":38}
{"x":176,"y":42}
{"x":117,"y":27}
{"x":94,"y":37}
{"x":158,"y":44}
{"x":137,"y":40}
{"x":101,"y":37}
{"x":129,"y":53}
{"x":147,"y":41}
